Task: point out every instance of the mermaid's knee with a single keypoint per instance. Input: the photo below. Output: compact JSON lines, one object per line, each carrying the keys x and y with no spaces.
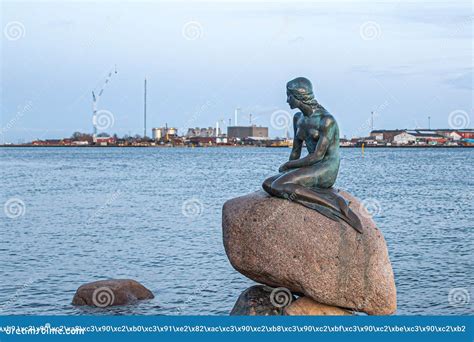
{"x":283,"y":189}
{"x":267,"y":187}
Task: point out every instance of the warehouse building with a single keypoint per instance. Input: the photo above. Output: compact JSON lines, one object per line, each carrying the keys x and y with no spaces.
{"x":244,"y":132}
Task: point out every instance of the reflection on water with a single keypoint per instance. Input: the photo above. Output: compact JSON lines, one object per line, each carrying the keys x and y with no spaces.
{"x":154,"y":215}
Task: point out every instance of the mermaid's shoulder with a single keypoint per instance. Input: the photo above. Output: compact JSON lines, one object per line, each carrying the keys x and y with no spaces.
{"x":297,"y":116}
{"x":327,"y":119}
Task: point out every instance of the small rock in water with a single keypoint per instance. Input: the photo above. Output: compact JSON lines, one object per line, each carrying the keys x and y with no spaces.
{"x":111,"y":292}
{"x":305,"y":306}
{"x":261,"y":300}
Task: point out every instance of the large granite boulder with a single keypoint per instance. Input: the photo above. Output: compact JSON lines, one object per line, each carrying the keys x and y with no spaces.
{"x":111,"y":292}
{"x":284,"y":244}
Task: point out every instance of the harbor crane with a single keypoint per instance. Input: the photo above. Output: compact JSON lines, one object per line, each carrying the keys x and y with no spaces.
{"x":96,"y":98}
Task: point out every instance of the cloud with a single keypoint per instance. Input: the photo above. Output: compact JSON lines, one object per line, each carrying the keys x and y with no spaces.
{"x":387,"y":72}
{"x":462,"y":80}
{"x":60,"y":23}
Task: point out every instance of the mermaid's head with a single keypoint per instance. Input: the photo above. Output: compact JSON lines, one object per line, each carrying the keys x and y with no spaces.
{"x":300,"y":89}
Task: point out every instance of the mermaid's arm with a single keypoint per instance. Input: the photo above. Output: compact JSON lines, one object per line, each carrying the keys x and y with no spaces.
{"x":297,"y":143}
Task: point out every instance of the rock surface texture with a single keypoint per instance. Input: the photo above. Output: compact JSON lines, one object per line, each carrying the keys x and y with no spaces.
{"x":305,"y":306}
{"x":111,"y":292}
{"x":284,"y":244}
{"x":257,"y":301}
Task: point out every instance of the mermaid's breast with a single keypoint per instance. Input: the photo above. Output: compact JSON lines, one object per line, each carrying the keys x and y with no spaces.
{"x":313,"y":133}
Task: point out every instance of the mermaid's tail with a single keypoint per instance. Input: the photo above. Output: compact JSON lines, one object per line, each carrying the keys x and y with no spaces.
{"x":345,"y":213}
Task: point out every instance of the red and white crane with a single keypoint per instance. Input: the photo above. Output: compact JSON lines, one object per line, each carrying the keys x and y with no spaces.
{"x":95,"y":100}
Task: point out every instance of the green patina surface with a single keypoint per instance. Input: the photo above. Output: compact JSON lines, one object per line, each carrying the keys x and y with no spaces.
{"x":309,"y":180}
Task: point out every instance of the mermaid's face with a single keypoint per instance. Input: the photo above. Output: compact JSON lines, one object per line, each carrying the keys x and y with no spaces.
{"x":292,"y":102}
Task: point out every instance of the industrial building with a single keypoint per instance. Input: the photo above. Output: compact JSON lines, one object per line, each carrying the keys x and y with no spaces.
{"x":203,"y":132}
{"x":419,"y":136}
{"x":244,"y":132}
{"x":159,"y":133}
{"x":385,"y":134}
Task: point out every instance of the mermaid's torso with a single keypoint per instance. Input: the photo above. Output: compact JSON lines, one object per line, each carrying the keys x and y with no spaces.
{"x":308,"y":129}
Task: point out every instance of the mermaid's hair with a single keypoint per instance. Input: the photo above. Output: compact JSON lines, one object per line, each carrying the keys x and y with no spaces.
{"x":302,"y":89}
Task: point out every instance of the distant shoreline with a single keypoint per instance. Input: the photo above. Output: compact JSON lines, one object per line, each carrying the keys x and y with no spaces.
{"x":234,"y":146}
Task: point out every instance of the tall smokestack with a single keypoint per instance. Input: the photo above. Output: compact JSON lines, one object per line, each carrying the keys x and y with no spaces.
{"x":236,"y":115}
{"x":217,"y":129}
{"x":371,"y":121}
{"x":144,"y":113}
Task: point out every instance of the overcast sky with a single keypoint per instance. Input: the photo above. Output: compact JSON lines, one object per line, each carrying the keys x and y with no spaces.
{"x":405,"y":61}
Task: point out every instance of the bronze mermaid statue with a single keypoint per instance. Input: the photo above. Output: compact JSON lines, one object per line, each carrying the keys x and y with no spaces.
{"x":309,"y":180}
